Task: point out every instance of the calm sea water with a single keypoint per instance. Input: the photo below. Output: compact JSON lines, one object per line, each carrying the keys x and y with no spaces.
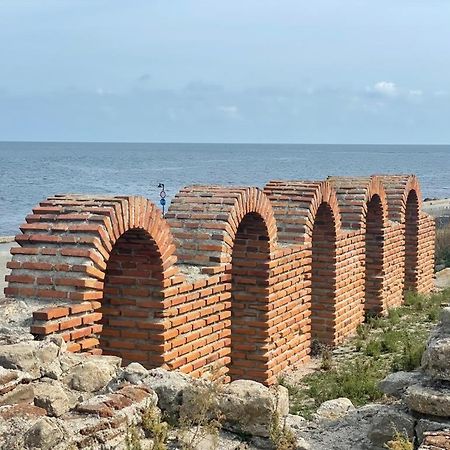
{"x":29,"y":172}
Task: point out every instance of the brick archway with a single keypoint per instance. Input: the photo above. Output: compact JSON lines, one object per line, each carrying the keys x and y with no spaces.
{"x":323,"y":275}
{"x":132,"y":303}
{"x":77,"y":246}
{"x":249,"y":299}
{"x":411,"y":241}
{"x":373,"y":256}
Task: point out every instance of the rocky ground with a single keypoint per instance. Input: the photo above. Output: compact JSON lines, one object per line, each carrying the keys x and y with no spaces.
{"x":52,"y":399}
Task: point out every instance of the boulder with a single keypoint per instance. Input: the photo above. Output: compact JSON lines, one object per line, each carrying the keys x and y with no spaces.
{"x":438,"y":440}
{"x":29,"y":356}
{"x":334,"y":409}
{"x":250,"y":408}
{"x":435,"y":360}
{"x":429,"y":399}
{"x":169,"y":387}
{"x":387,"y":423}
{"x":53,"y":398}
{"x":396,"y":383}
{"x":22,"y":393}
{"x":424,"y":426}
{"x":92,"y":374}
{"x":134,"y":373}
{"x":44,"y":434}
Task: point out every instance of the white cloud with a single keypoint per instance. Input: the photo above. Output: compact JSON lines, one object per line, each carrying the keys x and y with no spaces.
{"x":230,"y":111}
{"x":387,"y":88}
{"x":415,"y":93}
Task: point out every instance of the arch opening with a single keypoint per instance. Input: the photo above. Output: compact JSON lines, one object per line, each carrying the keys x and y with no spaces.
{"x":411,"y":242}
{"x":374,"y":250}
{"x":132,"y":301}
{"x":249,"y":301}
{"x":323,"y":276}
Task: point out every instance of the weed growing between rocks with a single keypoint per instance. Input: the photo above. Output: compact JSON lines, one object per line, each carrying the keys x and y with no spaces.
{"x":133,"y":439}
{"x":400,"y":442}
{"x":154,"y":428}
{"x":280,"y":435}
{"x":443,"y":246}
{"x":382,"y":345}
{"x":200,"y":415}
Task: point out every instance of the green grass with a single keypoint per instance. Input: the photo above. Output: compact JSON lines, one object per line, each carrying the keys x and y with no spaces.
{"x":383,"y":345}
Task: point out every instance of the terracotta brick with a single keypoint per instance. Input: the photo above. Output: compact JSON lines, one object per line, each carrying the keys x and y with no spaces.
{"x":257,"y":273}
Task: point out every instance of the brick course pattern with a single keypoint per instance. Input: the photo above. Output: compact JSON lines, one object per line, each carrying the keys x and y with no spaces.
{"x":239,"y":277}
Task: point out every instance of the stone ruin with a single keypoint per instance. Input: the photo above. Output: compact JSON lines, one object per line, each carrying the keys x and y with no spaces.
{"x":238,"y":277}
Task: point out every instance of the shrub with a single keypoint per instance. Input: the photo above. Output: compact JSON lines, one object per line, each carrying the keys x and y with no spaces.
{"x":201,"y":416}
{"x":400,"y":442}
{"x":411,"y":356}
{"x":154,"y":428}
{"x":443,"y":246}
{"x":132,"y":438}
{"x":281,"y":436}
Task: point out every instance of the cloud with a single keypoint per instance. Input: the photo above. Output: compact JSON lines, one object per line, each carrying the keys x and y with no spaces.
{"x":387,"y":88}
{"x":231,"y":111}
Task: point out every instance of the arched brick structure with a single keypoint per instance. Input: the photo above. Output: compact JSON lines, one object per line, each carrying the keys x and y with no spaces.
{"x":233,"y":276}
{"x":307,"y":213}
{"x":364,"y":210}
{"x":68,"y":245}
{"x":234,"y":230}
{"x":409,"y":269}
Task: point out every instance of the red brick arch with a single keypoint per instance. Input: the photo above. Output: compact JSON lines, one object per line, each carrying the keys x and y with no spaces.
{"x":204,"y":221}
{"x":405,"y":201}
{"x":79,"y":248}
{"x":237,"y":226}
{"x":308,"y":213}
{"x":363,"y":206}
{"x":296,"y":204}
{"x":234,"y":276}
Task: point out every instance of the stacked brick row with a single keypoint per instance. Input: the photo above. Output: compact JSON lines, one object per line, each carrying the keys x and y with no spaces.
{"x":237,"y":277}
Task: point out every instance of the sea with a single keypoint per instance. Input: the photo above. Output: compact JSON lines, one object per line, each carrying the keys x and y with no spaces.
{"x":32,"y":171}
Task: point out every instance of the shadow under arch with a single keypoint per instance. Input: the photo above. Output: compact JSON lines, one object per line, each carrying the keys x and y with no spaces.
{"x":133,"y":300}
{"x":323,"y":275}
{"x":374,"y":253}
{"x":249,"y":299}
{"x":411,"y":241}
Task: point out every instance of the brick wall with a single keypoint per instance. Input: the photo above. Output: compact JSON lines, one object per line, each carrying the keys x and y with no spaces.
{"x":239,"y":277}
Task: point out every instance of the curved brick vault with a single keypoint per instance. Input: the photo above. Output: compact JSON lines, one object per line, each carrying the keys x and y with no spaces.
{"x":235,"y":276}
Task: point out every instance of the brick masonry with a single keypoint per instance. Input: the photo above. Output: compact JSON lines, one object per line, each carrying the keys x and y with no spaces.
{"x":234,"y":276}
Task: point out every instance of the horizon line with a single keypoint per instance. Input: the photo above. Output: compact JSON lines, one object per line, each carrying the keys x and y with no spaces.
{"x":220,"y":143}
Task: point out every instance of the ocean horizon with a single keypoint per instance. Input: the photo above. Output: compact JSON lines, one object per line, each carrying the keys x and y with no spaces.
{"x":32,"y":171}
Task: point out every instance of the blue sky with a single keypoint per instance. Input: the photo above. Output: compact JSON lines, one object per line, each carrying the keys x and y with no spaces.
{"x":322,"y":71}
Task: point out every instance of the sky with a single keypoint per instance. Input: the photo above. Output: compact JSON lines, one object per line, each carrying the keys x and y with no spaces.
{"x":294,"y":71}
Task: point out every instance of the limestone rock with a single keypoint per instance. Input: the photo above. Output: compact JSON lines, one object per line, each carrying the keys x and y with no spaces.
{"x":389,"y":422}
{"x":44,"y":434}
{"x":134,"y":373}
{"x":169,"y":387}
{"x":396,"y":383}
{"x":435,"y":360}
{"x":22,"y":393}
{"x":53,"y":398}
{"x":28,"y":356}
{"x":250,"y":408}
{"x":333,"y":409}
{"x":424,"y":426}
{"x":439,"y":440}
{"x":429,"y":399}
{"x":92,"y":374}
